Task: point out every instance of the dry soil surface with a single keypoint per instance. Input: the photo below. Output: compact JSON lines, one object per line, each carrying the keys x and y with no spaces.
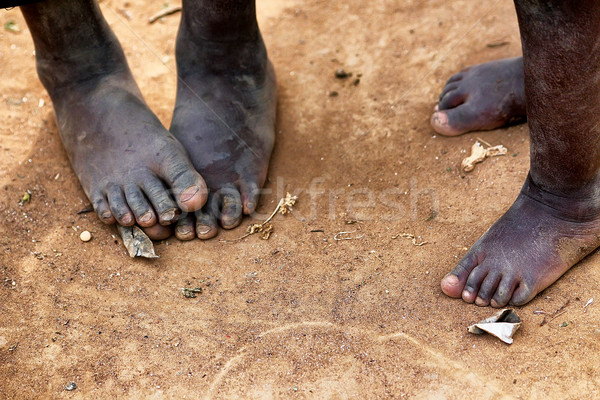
{"x":303,"y":314}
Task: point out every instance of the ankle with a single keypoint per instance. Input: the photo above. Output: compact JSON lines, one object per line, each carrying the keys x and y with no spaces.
{"x":578,"y":205}
{"x":59,"y":70}
{"x":220,"y":21}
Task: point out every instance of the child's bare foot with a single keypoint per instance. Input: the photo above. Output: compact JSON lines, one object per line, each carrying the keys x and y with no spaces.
{"x":225,"y":110}
{"x":538,"y":239}
{"x":131,"y":168}
{"x":481,"y":97}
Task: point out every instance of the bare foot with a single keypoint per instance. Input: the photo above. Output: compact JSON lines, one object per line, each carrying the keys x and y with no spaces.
{"x":482,"y":97}
{"x":225,"y":118}
{"x":539,"y":238}
{"x":131,"y":168}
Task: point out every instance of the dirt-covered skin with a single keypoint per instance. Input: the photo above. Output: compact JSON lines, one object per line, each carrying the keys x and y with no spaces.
{"x":555,"y":220}
{"x":539,"y":238}
{"x":482,"y":97}
{"x":131,"y":168}
{"x":225,"y":110}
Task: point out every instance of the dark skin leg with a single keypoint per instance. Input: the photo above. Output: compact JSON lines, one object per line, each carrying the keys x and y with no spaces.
{"x":225,"y":109}
{"x":555,"y":221}
{"x":131,"y":168}
{"x":482,"y":97}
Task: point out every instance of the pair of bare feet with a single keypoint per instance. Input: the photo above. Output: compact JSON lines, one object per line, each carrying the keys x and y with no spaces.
{"x":542,"y":234}
{"x":212,"y":161}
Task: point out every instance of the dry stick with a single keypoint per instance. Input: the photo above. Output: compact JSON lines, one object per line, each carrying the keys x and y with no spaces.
{"x":164,"y":13}
{"x":284,"y":206}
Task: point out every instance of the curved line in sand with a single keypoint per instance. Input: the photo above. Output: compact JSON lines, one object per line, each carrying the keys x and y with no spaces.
{"x":457,"y":369}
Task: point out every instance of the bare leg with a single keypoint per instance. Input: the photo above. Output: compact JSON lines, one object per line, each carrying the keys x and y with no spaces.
{"x":117,"y":147}
{"x":225,"y":109}
{"x":555,"y":221}
{"x":482,"y":97}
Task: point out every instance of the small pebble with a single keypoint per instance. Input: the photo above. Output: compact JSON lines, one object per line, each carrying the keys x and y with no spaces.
{"x":72,"y":385}
{"x":341,"y":74}
{"x":85,"y":236}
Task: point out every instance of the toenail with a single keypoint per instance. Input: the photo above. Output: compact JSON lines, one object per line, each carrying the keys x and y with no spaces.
{"x":184,"y":230}
{"x":126,"y":219}
{"x":189,"y":193}
{"x":106,"y":215}
{"x":440,"y":118}
{"x":250,"y":205}
{"x":451,"y":279}
{"x":168,"y":215}
{"x":466,"y":293}
{"x":203,"y":229}
{"x":147,"y":217}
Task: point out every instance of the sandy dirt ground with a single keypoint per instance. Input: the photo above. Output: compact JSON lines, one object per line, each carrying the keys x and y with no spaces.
{"x":301,"y":315}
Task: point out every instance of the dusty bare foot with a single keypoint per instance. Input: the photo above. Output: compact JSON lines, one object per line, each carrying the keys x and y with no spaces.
{"x":225,"y":118}
{"x":131,"y":168}
{"x":482,"y":97}
{"x":539,"y":238}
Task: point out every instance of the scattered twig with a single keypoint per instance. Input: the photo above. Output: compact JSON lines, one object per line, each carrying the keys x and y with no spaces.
{"x":164,"y":13}
{"x":85,"y":210}
{"x":340,"y":236}
{"x":265,"y":228}
{"x":553,"y":315}
{"x":497,"y":44}
{"x":412,"y":237}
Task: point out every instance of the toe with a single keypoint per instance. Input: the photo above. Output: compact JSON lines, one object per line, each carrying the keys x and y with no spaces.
{"x":455,"y":121}
{"x":231,"y":207}
{"x":504,"y":292}
{"x":163,"y":204}
{"x":447,"y":89}
{"x":469,"y":293}
{"x":487,"y":289}
{"x":451,"y":99}
{"x":188,"y":187}
{"x":206,"y":220}
{"x":118,"y":206}
{"x":158,"y":232}
{"x":250,"y":195}
{"x":523,"y":293}
{"x":454,"y":283}
{"x":139,"y":205}
{"x":103,"y":210}
{"x":184,"y":230}
{"x":455,"y":78}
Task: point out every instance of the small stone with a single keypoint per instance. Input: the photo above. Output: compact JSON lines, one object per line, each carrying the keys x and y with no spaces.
{"x":71,"y":386}
{"x":341,"y":74}
{"x":85,"y":236}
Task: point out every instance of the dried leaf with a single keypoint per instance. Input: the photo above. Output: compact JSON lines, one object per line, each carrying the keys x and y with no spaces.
{"x":503,"y":325}
{"x":480,"y":153}
{"x":138,"y":244}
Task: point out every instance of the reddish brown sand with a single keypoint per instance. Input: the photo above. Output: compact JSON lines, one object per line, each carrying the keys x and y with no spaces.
{"x":301,"y":315}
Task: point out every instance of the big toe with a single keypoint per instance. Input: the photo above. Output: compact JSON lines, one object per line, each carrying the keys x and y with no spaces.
{"x":189,"y":189}
{"x":454,"y":121}
{"x":452,"y":286}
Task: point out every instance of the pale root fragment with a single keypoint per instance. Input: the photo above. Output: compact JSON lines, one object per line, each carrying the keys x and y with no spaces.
{"x":480,"y":153}
{"x":503,"y":325}
{"x":137,"y":243}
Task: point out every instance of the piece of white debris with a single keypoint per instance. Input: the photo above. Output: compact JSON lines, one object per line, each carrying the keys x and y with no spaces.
{"x":503,"y":325}
{"x":590,"y":301}
{"x":480,"y":153}
{"x":85,"y":236}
